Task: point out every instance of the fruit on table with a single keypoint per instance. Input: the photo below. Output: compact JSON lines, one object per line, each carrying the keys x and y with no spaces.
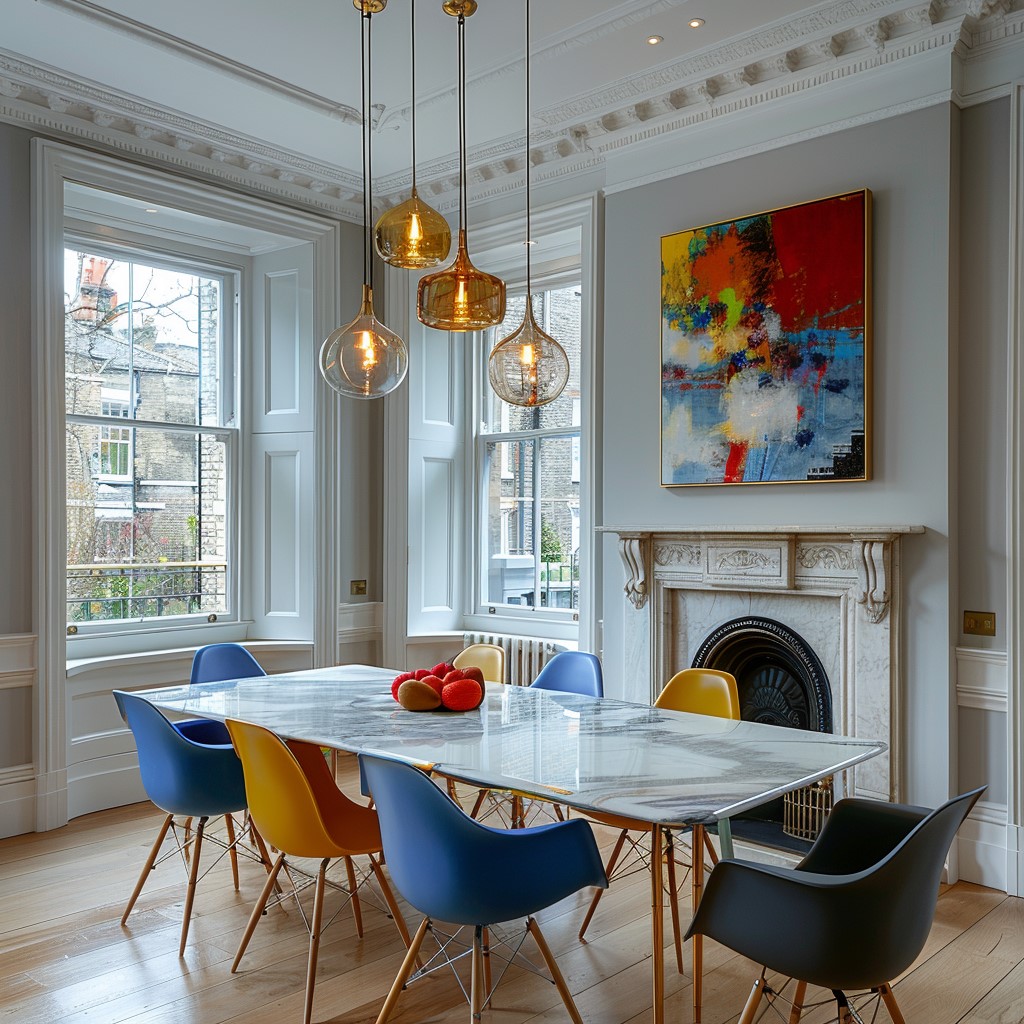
{"x":443,"y":687}
{"x":416,"y":695}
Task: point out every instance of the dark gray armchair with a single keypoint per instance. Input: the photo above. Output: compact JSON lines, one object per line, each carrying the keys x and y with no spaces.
{"x":851,"y":916}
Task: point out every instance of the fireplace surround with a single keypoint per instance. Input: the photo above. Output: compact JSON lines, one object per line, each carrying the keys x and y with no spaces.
{"x":837,"y":589}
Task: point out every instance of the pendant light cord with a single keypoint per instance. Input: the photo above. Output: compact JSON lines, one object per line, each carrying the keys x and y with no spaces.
{"x":365,"y":71}
{"x":463,"y":190}
{"x":529,"y":289}
{"x":412,"y":66}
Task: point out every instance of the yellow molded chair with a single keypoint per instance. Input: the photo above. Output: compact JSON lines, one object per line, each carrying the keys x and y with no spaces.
{"x":299,"y":810}
{"x":489,"y":658}
{"x":700,"y":691}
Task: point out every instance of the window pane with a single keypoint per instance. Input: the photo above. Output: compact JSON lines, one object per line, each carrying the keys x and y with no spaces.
{"x":151,"y":334}
{"x":510,"y":522}
{"x":559,"y":526}
{"x":557,"y":312}
{"x":150,"y":541}
{"x":533,"y":534}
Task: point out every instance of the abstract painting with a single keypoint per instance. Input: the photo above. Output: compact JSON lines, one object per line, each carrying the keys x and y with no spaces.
{"x":765,"y":347}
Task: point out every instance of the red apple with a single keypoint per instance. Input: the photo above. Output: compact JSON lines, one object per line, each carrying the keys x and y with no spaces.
{"x":422,"y":673}
{"x":436,"y":683}
{"x":440,"y":669}
{"x":473,"y":672}
{"x":462,"y":695}
{"x":399,"y":679}
{"x":454,"y":675}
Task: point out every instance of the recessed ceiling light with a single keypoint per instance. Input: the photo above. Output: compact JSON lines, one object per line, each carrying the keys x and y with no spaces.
{"x":654,"y":40}
{"x":696,"y":22}
{"x":151,"y":209}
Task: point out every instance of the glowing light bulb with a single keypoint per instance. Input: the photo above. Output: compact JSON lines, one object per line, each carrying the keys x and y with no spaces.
{"x":461,"y":300}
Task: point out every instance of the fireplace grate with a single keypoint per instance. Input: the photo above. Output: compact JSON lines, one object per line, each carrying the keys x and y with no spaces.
{"x":804,"y":810}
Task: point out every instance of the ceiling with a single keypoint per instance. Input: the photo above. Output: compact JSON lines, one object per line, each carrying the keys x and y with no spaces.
{"x":274,"y":88}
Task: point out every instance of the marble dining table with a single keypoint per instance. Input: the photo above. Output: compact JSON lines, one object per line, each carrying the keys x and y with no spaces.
{"x":666,"y":768}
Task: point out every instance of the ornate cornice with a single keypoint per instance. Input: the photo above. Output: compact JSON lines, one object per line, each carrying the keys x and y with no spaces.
{"x":833,"y":43}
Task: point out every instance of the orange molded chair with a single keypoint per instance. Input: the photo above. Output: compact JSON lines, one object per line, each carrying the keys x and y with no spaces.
{"x":699,"y":691}
{"x":299,"y":810}
{"x":489,"y":658}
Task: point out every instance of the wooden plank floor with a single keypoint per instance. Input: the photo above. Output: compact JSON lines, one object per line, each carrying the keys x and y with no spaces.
{"x":65,"y":958}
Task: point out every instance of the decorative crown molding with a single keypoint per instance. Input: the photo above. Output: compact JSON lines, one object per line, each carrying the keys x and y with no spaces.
{"x":832,"y":43}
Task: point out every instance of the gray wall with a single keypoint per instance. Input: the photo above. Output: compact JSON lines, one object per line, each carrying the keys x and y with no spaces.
{"x":16,"y":519}
{"x":906,"y":162}
{"x":984,"y":234}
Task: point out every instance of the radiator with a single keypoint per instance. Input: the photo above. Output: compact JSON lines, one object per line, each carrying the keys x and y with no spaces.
{"x":525,"y":656}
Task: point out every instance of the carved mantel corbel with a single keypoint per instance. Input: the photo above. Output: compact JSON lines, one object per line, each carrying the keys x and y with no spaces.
{"x":872,"y":558}
{"x":635,"y":551}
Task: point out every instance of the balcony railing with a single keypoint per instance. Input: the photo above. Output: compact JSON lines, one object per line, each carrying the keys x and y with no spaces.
{"x":144,"y":590}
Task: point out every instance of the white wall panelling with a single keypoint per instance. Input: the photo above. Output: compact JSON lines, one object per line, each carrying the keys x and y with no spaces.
{"x":17,"y":772}
{"x":436,"y":477}
{"x":102,"y":762}
{"x":284,"y":343}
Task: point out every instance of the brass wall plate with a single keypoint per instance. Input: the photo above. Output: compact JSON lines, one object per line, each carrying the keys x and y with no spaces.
{"x":357,"y":588}
{"x":980,"y":623}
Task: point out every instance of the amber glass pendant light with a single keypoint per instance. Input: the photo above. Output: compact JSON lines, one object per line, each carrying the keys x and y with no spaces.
{"x":460,"y":297}
{"x":364,"y":359}
{"x":413,"y":235}
{"x":529,"y":367}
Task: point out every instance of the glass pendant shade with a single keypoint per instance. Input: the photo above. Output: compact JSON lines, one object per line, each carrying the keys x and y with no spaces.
{"x":528,"y":368}
{"x":460,"y":297}
{"x":412,"y":235}
{"x":364,"y":359}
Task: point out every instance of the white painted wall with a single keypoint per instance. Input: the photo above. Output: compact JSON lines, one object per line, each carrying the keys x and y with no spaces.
{"x":906,"y":161}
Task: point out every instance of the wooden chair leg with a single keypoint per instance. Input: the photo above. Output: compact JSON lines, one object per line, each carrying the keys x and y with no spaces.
{"x":193,"y":878}
{"x":598,"y":893}
{"x":710,"y":847}
{"x":798,"y":1002}
{"x":403,"y":972}
{"x":556,"y":974}
{"x":750,"y":1007}
{"x":486,"y":950}
{"x":479,"y":802}
{"x":353,"y":888}
{"x":154,"y":852}
{"x":673,"y":898}
{"x":890,"y":1004}
{"x":476,"y":981}
{"x":314,"y":939}
{"x":262,"y":847}
{"x":257,"y":911}
{"x":389,"y":899}
{"x":229,"y":823}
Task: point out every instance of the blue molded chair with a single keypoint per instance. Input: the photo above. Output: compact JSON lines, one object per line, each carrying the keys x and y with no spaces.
{"x":454,"y":869}
{"x":187,"y":778}
{"x":853,"y":914}
{"x":572,"y":672}
{"x":213,"y":664}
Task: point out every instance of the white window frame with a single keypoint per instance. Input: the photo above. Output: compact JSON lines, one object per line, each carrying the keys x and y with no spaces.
{"x":152,"y":253}
{"x":497,"y":611}
{"x":574,"y":264}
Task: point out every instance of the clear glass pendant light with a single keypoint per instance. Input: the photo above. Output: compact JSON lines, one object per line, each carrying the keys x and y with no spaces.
{"x":528,"y":368}
{"x":461,"y":297}
{"x":413,"y":235}
{"x":364,"y":359}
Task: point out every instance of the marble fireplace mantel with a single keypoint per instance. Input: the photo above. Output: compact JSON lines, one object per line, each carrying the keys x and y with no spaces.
{"x":839,"y":587}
